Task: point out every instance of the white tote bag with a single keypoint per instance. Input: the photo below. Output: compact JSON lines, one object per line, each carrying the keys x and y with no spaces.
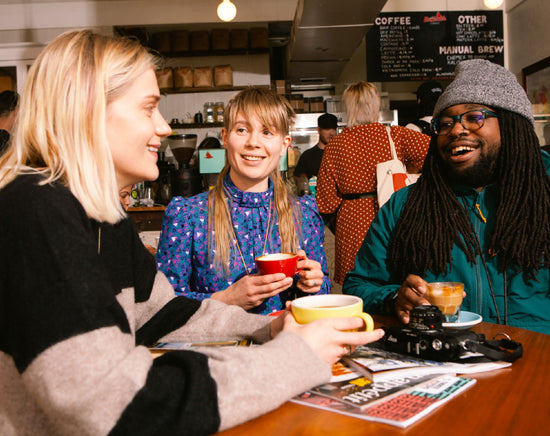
{"x":391,"y":175}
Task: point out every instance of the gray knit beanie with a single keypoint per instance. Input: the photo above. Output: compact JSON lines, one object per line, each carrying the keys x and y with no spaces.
{"x":483,"y":82}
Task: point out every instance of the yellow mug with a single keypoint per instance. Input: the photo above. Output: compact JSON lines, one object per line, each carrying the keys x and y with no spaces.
{"x":310,"y":308}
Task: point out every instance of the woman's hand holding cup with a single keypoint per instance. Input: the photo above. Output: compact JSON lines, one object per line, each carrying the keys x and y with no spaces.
{"x":329,"y":324}
{"x":310,"y":276}
{"x":251,"y":290}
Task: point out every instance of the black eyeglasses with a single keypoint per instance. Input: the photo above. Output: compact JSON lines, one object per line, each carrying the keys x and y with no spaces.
{"x":471,"y":120}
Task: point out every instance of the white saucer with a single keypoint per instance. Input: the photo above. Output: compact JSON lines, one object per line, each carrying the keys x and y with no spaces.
{"x":465,"y":321}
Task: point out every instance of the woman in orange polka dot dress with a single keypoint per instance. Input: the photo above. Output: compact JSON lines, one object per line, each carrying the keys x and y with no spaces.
{"x":347,"y":177}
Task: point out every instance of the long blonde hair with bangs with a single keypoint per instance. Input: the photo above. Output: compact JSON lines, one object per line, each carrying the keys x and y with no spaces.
{"x":272,"y":110}
{"x":362,"y":102}
{"x":61,"y":127}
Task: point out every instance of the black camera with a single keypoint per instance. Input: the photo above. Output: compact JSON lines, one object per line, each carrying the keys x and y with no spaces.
{"x":425,"y":337}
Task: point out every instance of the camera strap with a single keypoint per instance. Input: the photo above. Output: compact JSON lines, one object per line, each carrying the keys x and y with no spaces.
{"x":497,"y":349}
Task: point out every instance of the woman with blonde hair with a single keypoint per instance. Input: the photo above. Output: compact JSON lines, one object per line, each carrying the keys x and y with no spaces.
{"x":346,"y":184}
{"x":80,"y":293}
{"x":209,"y":242}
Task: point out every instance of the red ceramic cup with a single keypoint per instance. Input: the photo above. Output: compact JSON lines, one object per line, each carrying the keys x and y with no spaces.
{"x":278,"y":263}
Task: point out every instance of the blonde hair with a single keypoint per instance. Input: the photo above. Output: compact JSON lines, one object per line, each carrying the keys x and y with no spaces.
{"x":61,"y":127}
{"x":272,"y":110}
{"x":362,"y":102}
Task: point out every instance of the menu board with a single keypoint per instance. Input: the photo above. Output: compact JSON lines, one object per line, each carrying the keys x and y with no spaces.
{"x":403,"y":46}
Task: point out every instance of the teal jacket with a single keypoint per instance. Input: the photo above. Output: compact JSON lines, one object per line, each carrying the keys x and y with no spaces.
{"x":528,"y":303}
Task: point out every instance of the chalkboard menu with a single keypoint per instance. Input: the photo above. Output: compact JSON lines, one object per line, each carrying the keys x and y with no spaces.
{"x":404,"y":46}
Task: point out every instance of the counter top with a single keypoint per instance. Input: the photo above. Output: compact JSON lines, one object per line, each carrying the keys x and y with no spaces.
{"x":155,"y":208}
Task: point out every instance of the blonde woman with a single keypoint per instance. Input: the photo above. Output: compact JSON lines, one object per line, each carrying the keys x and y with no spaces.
{"x":209,"y":242}
{"x":347,"y":177}
{"x":125,"y":196}
{"x":80,"y":292}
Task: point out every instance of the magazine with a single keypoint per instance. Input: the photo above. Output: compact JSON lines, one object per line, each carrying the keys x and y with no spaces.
{"x":361,"y":392}
{"x":341,"y":372}
{"x":377,"y":364}
{"x":402,"y":409}
{"x":163,"y":347}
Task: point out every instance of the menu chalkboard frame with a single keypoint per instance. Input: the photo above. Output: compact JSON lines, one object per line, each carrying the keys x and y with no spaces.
{"x":407,"y":46}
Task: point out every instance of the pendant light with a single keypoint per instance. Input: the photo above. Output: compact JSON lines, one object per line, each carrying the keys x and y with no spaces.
{"x":493,"y":4}
{"x":226,"y":10}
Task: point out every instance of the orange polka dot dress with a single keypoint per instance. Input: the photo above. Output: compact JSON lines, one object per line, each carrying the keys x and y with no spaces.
{"x":349,"y":167}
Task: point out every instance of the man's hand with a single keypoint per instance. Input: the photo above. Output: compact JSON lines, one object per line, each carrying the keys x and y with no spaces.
{"x":411,"y":293}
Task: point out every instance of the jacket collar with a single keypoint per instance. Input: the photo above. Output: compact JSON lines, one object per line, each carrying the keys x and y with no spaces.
{"x":247,"y":199}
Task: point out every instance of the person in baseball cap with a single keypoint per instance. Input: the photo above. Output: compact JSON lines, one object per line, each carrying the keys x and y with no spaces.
{"x":426,"y":98}
{"x":310,"y":161}
{"x":477,"y":215}
{"x":327,"y":122}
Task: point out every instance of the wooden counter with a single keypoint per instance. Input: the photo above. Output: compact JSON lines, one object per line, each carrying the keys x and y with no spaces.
{"x":147,"y":218}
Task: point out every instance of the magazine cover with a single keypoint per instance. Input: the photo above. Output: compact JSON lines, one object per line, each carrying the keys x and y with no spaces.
{"x":362,"y":392}
{"x":400,"y":410}
{"x":408,"y":407}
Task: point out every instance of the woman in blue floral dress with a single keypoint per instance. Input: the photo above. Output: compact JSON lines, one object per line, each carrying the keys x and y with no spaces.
{"x":209,"y":242}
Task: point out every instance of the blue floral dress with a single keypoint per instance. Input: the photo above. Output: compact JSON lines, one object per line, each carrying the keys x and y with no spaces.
{"x":182,"y":253}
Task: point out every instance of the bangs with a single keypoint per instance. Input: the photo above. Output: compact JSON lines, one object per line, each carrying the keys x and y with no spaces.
{"x":271,"y":109}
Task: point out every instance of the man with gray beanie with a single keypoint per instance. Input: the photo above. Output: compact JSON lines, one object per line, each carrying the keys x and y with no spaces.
{"x":479,"y":213}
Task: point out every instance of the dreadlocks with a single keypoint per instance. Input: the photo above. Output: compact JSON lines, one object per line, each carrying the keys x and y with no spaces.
{"x":433,"y":219}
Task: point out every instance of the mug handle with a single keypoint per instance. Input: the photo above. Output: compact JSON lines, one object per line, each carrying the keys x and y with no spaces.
{"x":369,"y":323}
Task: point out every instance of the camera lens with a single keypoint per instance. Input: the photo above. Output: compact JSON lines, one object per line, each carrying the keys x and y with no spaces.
{"x":426,"y":318}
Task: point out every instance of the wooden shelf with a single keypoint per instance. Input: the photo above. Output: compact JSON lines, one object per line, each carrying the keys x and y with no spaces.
{"x":206,"y":89}
{"x":194,"y":125}
{"x":230,"y":52}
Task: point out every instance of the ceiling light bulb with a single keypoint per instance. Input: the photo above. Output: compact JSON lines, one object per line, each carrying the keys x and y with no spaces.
{"x":226,"y":10}
{"x":493,"y":4}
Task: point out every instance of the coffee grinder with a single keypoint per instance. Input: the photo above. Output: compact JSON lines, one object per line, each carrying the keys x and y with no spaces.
{"x":188,"y":181}
{"x":163,"y":186}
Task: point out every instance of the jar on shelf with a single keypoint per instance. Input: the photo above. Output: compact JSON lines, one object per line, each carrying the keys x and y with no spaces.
{"x":218,"y":112}
{"x":209,"y":116}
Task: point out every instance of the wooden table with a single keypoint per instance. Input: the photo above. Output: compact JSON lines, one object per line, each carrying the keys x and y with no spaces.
{"x":509,"y":401}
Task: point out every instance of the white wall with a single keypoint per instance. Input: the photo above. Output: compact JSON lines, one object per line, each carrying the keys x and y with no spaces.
{"x":355,"y":70}
{"x":528,"y":33}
